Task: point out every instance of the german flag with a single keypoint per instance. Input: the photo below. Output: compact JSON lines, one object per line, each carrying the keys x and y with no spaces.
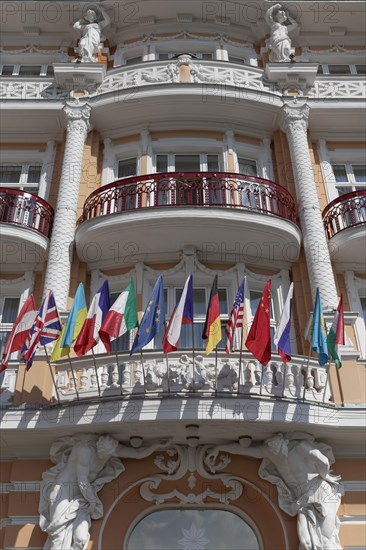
{"x":212,"y":329}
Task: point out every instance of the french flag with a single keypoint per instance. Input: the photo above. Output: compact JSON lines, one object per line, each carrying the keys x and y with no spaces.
{"x":182,"y":315}
{"x":20,"y":331}
{"x":282,"y":337}
{"x":89,"y":334}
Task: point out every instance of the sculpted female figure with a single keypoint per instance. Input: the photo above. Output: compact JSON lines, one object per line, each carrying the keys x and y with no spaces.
{"x":91,"y":32}
{"x":279,"y":42}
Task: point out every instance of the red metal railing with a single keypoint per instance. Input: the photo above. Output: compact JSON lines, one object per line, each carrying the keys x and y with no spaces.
{"x":345,"y":211}
{"x":194,"y":189}
{"x":25,"y":209}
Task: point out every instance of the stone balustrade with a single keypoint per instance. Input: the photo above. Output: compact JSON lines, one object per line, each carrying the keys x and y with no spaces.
{"x":182,"y":373}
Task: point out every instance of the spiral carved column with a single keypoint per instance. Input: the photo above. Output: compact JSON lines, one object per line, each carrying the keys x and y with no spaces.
{"x":294,"y":123}
{"x":62,"y":240}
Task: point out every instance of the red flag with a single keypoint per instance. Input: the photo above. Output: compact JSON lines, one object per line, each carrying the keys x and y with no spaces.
{"x":20,"y":331}
{"x":259,"y":337}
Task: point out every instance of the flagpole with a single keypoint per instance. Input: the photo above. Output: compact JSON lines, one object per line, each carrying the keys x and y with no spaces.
{"x":73,"y":377}
{"x":167,"y":371}
{"x":193,"y":357}
{"x":326,"y":382}
{"x":284,"y":379}
{"x":339,"y":385}
{"x":53,"y":378}
{"x":307,"y":366}
{"x":119,"y":376}
{"x":143,"y":369}
{"x":240,"y":355}
{"x":96,"y":371}
{"x":261,"y":386}
{"x":216,"y":369}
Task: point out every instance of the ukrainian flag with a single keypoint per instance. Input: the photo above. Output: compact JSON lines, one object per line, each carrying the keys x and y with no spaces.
{"x":71,"y":329}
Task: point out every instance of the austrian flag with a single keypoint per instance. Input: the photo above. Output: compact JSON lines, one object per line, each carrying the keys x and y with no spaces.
{"x":20,"y":331}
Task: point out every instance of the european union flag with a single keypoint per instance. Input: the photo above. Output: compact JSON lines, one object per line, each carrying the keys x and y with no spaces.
{"x":153,"y":319}
{"x":319,"y":333}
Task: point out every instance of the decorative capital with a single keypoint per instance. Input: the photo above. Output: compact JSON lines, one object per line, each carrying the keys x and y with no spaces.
{"x":295,"y":116}
{"x":77,"y":116}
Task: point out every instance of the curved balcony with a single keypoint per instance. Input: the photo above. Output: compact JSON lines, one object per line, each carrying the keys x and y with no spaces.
{"x":26,"y":223}
{"x":184,"y":375}
{"x":345,"y":225}
{"x":239,"y":216}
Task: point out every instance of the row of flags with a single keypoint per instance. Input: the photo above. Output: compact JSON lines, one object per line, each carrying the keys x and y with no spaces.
{"x":103,"y":321}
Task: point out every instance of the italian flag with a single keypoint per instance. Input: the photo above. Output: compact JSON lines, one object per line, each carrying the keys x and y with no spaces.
{"x":336,"y":334}
{"x":121,"y":317}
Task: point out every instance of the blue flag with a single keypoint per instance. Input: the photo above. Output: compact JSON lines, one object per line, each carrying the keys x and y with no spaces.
{"x":153,"y":319}
{"x":319,"y":333}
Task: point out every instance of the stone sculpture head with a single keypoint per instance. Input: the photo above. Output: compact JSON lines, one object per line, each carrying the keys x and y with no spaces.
{"x":280,"y":16}
{"x":106,"y":446}
{"x":91,"y":16}
{"x":278,"y":444}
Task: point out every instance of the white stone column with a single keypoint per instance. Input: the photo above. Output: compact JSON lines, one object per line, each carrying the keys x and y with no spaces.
{"x":294,"y":123}
{"x":62,"y":240}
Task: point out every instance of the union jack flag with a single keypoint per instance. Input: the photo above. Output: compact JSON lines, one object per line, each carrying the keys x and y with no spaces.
{"x":47,"y":327}
{"x":236,"y":318}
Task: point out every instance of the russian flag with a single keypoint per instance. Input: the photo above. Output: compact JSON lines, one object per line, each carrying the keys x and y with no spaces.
{"x":182,"y":315}
{"x":282,"y":337}
{"x":89,"y":334}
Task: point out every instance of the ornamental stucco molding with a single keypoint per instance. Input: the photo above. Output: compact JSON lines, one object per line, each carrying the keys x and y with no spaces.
{"x":295,"y":117}
{"x":77,"y":116}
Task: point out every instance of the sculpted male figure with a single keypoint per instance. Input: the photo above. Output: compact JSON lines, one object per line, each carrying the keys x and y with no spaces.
{"x":279,"y":42}
{"x":69,"y":501}
{"x":300,"y":468}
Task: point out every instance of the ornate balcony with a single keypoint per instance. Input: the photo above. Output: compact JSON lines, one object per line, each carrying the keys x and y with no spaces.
{"x":26,"y":223}
{"x":345,"y":225}
{"x":184,"y":375}
{"x":219,"y":212}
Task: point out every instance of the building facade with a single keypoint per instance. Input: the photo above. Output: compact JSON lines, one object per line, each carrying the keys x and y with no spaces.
{"x":206,"y":138}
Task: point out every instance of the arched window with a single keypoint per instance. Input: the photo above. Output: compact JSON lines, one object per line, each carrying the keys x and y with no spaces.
{"x":192,"y":529}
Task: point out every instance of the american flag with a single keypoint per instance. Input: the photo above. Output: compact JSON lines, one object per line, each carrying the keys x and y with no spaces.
{"x":236,"y":318}
{"x":47,"y":327}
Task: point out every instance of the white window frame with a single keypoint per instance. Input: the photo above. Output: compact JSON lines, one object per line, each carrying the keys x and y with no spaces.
{"x":356,"y":287}
{"x":17,"y":69}
{"x":337,"y":156}
{"x":25,"y":158}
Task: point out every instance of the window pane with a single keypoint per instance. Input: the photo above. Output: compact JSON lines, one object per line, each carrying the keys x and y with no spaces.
{"x":163,"y":56}
{"x":361,"y":69}
{"x":233,"y":59}
{"x":247,"y":166}
{"x":193,"y":529}
{"x":50,"y":71}
{"x":339,"y":69}
{"x":4,"y":335}
{"x":223,"y":300}
{"x":363,"y":305}
{"x":255,"y":298}
{"x":127,"y":167}
{"x":343,"y":190}
{"x":320,"y":69}
{"x":212,"y":163}
{"x":187,"y":163}
{"x":34,"y":174}
{"x":340,"y":173}
{"x":161,"y":163}
{"x":10,"y":310}
{"x":134,"y":60}
{"x":10,"y":174}
{"x":7,"y":70}
{"x":359,"y":172}
{"x":30,"y":70}
{"x":207,"y":56}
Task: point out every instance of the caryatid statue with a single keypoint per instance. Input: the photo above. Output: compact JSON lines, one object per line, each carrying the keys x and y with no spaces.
{"x":84,"y":463}
{"x":91,"y":35}
{"x":300,"y":469}
{"x":279,"y":43}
